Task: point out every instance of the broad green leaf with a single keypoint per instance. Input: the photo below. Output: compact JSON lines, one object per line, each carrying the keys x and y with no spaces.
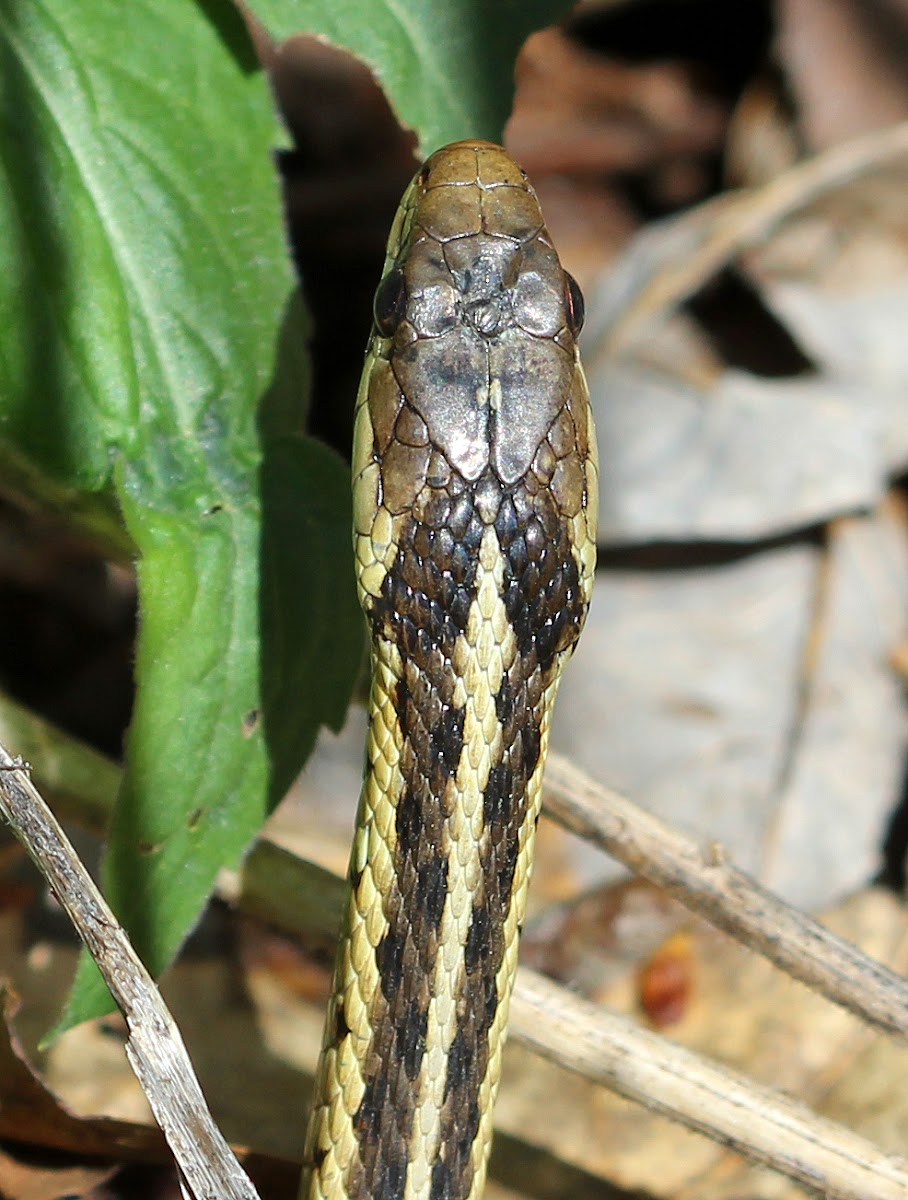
{"x":145,"y":313}
{"x":447,"y":66}
{"x":199,"y":712}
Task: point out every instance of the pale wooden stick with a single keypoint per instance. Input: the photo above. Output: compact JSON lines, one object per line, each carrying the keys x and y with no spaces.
{"x":296,"y":895}
{"x":703,"y":880}
{"x":586,"y":1038}
{"x":729,"y":1108}
{"x":610,"y":1049}
{"x":155,"y":1048}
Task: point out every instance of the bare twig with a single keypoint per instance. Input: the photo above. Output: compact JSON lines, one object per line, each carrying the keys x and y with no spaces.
{"x":155,"y":1049}
{"x":304,"y":898}
{"x":703,"y":880}
{"x":610,"y":1049}
{"x":729,"y":1108}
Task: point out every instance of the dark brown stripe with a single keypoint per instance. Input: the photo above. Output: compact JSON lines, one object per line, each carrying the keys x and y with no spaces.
{"x":382,"y":1144}
{"x":542,"y":594}
{"x":540,"y":589}
{"x":504,"y":806}
{"x":424,"y":609}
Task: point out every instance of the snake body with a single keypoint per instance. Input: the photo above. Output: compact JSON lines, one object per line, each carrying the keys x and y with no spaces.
{"x":475,"y":487}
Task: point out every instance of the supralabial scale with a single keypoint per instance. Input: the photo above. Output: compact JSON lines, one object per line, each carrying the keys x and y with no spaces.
{"x":474,"y":486}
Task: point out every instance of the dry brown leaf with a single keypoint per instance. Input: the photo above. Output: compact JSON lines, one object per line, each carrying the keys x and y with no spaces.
{"x":29,"y":1112}
{"x":726,"y":727}
{"x":754,"y":703}
{"x":22,"y":1179}
{"x":750,"y":1016}
{"x":578,"y":112}
{"x":32,"y":1115}
{"x":600,"y":939}
{"x":845,"y":66}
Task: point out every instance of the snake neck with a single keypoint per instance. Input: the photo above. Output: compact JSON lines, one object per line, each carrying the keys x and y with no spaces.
{"x":474,"y":498}
{"x":467,"y":652}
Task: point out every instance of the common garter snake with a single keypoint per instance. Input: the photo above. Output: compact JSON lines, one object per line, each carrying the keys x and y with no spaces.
{"x":475,"y":489}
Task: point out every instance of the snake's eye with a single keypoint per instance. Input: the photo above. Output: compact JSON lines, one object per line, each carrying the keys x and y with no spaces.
{"x":390,"y":302}
{"x":574,"y":307}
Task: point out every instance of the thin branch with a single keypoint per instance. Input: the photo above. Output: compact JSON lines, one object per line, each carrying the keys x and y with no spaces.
{"x":297,"y":895}
{"x":155,"y":1048}
{"x":610,"y":1049}
{"x":729,"y":1108}
{"x":702,"y":879}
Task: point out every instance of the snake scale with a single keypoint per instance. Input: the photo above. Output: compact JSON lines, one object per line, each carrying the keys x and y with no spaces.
{"x":475,"y":489}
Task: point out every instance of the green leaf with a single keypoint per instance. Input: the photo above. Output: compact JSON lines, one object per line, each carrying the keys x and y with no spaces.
{"x":145,"y":313}
{"x":447,"y":66}
{"x":223,"y":743}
